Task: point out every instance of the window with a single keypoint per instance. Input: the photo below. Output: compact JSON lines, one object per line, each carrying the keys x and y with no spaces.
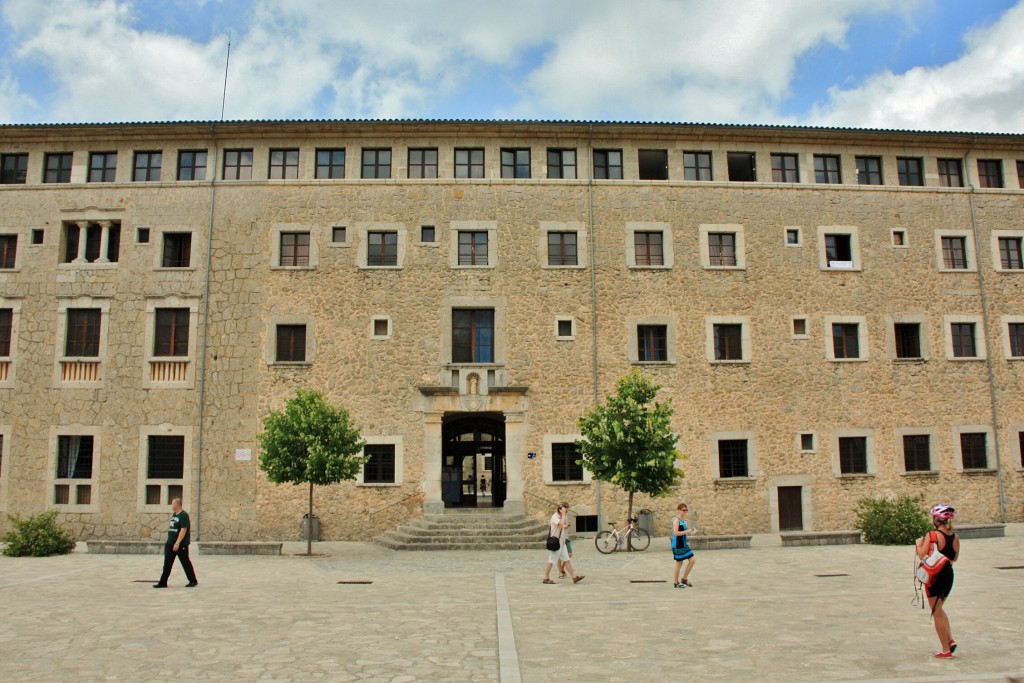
{"x":608,"y":164}
{"x":8,"y":251}
{"x":917,"y":453}
{"x":177,"y":250}
{"x":472,"y":248}
{"x":839,"y":250}
{"x":165,"y":468}
{"x":722,"y":248}
{"x":515,"y":163}
{"x":192,"y":165}
{"x":382,"y":249}
{"x":83,"y":242}
{"x":1015,"y":331}
{"x":379,"y":467}
{"x":853,"y":455}
{"x":423,"y":163}
{"x":58,"y":168}
{"x":562,"y":249}
{"x":75,"y":455}
{"x":330,"y":163}
{"x":142,"y":235}
{"x":963,"y":340}
{"x":732,"y":458}
{"x":907,"y":337}
{"x":826,"y":168}
{"x":869,"y":170}
{"x":954,"y":253}
{"x":652,"y":343}
{"x":6,"y":325}
{"x":284,"y":164}
{"x":807,"y":441}
{"x":974,"y":450}
{"x":799,"y":327}
{"x":428,"y":234}
{"x":294,"y":249}
{"x":792,"y":237}
{"x":908,"y":169}
{"x":381,"y":328}
{"x":238,"y":164}
{"x":990,"y":173}
{"x":784,"y":168}
{"x":13,"y":169}
{"x":846,"y":340}
{"x":649,"y":249}
{"x":38,"y":235}
{"x":338,"y":234}
{"x":82,"y":338}
{"x":469,"y":162}
{"x":1020,"y":174}
{"x":147,"y":166}
{"x":291,"y":344}
{"x":1010,"y":253}
{"x":561,"y":163}
{"x":899,"y":238}
{"x":473,"y":335}
{"x":171,"y":333}
{"x":653,"y":164}
{"x":102,"y":167}
{"x":563,"y":462}
{"x":564,"y":328}
{"x":728,"y":342}
{"x":697,"y":165}
{"x":951,"y":173}
{"x":742,"y":167}
{"x":377,"y":163}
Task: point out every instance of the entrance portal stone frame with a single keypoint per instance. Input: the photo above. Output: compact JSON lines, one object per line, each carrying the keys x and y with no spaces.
{"x":801,"y":480}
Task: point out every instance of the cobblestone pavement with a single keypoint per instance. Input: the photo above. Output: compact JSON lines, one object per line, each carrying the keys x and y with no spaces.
{"x":765,"y":614}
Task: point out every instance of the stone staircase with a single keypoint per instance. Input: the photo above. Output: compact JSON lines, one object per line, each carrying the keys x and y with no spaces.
{"x":467,"y":530}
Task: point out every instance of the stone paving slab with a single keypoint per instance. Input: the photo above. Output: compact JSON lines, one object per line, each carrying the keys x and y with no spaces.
{"x":754,"y":615}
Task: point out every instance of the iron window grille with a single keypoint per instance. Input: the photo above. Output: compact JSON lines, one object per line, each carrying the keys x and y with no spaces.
{"x":732,"y":458}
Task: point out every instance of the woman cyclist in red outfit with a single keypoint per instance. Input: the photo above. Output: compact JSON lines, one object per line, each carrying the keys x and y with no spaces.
{"x":940,"y":587}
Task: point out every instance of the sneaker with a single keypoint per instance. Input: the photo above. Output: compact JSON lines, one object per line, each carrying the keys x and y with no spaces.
{"x":685,"y":582}
{"x":193,"y":584}
{"x":943,"y":655}
{"x":952,"y":646}
{"x":577,"y":579}
{"x":159,"y":585}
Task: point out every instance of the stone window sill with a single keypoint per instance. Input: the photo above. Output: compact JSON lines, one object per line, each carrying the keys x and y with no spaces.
{"x":284,"y":364}
{"x":578,"y":482}
{"x":920,"y":473}
{"x":379,"y":484}
{"x":741,"y":361}
{"x":978,"y":471}
{"x":735,"y":481}
{"x":857,"y":475}
{"x":293,"y":268}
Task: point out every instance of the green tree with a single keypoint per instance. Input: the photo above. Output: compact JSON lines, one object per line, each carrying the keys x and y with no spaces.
{"x":39,"y":536}
{"x":310,"y":442}
{"x":629,"y":441}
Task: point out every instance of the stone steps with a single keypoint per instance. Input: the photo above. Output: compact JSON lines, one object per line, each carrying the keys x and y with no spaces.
{"x":462,"y":531}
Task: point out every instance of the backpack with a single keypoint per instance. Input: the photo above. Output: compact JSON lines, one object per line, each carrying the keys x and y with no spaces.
{"x":930,"y":566}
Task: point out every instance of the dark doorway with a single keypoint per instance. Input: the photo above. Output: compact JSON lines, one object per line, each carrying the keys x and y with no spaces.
{"x":473,"y":460}
{"x":791,"y":511}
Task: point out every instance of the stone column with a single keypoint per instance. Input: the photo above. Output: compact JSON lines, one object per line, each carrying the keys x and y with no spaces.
{"x":83,"y":230}
{"x":515,"y":432}
{"x":432,"y":460}
{"x":104,"y":242}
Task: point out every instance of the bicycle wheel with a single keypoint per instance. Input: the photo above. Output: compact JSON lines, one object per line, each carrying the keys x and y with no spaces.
{"x":606,"y":542}
{"x":640,"y":540}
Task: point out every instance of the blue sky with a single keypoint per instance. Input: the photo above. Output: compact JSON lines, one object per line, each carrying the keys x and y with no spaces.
{"x":921,"y":64}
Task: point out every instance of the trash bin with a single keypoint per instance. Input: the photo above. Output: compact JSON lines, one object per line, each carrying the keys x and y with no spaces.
{"x":646,"y":521}
{"x":306,"y":528}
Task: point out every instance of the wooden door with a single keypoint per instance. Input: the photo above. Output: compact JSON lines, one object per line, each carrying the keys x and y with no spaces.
{"x":791,"y":511}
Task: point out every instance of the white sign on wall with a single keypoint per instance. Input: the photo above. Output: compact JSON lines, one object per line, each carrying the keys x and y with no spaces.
{"x":243,"y":454}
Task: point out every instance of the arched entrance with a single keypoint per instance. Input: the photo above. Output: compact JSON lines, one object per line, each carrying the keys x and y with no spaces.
{"x":473,"y":448}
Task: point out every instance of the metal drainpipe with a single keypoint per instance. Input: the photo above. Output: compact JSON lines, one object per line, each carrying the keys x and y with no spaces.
{"x":993,"y":401}
{"x":593,"y":287}
{"x":206,"y":327}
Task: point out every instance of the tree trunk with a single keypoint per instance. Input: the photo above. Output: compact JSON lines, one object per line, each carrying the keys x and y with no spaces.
{"x":309,"y":523}
{"x":629,"y":516}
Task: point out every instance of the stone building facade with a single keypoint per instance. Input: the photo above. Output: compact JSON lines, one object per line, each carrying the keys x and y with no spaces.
{"x":834,"y":313}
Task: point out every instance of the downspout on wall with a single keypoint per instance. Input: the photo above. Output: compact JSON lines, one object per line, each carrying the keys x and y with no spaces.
{"x":593,"y":288}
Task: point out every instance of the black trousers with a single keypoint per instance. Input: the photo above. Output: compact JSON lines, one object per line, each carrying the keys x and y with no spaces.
{"x":186,"y":564}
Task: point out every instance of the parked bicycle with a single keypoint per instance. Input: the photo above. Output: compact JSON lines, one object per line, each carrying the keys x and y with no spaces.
{"x":631,"y":537}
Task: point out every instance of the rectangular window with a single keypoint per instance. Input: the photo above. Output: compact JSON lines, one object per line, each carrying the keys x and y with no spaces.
{"x":649,"y":248}
{"x":93,"y":236}
{"x":951,"y":173}
{"x":515,"y":163}
{"x":192,"y":164}
{"x":82,"y":338}
{"x":722,"y":248}
{"x":917,"y":453}
{"x":238,"y":164}
{"x":339,"y":233}
{"x":330,"y":163}
{"x":793,"y":236}
{"x":742,"y":167}
{"x":846,"y":340}
{"x":74,"y":458}
{"x":1020,"y":174}
{"x":284,"y":164}
{"x":170,"y":338}
{"x":58,"y":167}
{"x":784,"y":168}
{"x":165,"y":457}
{"x":954,"y":253}
{"x":294,"y":249}
{"x":423,"y":163}
{"x":869,"y":170}
{"x":6,"y":325}
{"x":908,"y":340}
{"x":428,"y":234}
{"x":561,"y":163}
{"x":562,"y":249}
{"x":147,"y":166}
{"x":102,"y":167}
{"x":839,"y":251}
{"x":807,"y":441}
{"x":13,"y":169}
{"x":291,"y":344}
{"x":1010,"y":253}
{"x":909,"y":170}
{"x":608,"y":164}
{"x":853,"y":455}
{"x":142,"y":235}
{"x":652,"y":343}
{"x":8,"y":251}
{"x":990,"y":173}
{"x":800,"y":327}
{"x":728,"y":342}
{"x":1015,"y":330}
{"x":653,"y":164}
{"x":974,"y":451}
{"x":963,"y":340}
{"x":697,"y":165}
{"x":472,"y":248}
{"x":826,"y":168}
{"x":377,"y":163}
{"x":563,"y":462}
{"x":379,"y":467}
{"x":177,"y":250}
{"x":473,"y":335}
{"x":732,"y":458}
{"x":469,"y":162}
{"x":565,"y":329}
{"x":382,"y":249}
{"x":899,"y":238}
{"x":38,"y":235}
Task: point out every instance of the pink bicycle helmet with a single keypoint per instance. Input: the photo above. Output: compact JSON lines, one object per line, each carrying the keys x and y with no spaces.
{"x":943,"y":512}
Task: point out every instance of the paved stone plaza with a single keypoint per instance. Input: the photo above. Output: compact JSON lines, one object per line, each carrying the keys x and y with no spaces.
{"x":759,"y":614}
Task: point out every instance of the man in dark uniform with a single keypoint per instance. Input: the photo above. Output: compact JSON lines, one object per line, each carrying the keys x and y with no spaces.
{"x":178,"y":538}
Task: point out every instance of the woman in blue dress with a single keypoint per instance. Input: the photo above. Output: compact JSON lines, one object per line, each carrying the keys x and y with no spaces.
{"x":681,"y":550}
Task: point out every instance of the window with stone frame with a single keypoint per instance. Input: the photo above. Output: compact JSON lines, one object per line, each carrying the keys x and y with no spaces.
{"x":733,"y":459}
{"x":954,"y":253}
{"x":102,"y":167}
{"x":722,"y":248}
{"x":165,"y":468}
{"x":382,"y":248}
{"x":469,"y":162}
{"x":6,"y":328}
{"x":608,"y":164}
{"x":563,"y":462}
{"x":827,"y":169}
{"x":170,"y":338}
{"x":1016,"y":333}
{"x":330,"y":163}
{"x":1020,"y":174}
{"x":839,"y":249}
{"x":869,"y":170}
{"x":294,"y":249}
{"x":379,"y":467}
{"x":473,"y":335}
{"x":853,"y":455}
{"x":974,"y":450}
{"x":990,"y":173}
{"x":697,"y":166}
{"x":423,"y":162}
{"x":13,"y":169}
{"x":910,"y":170}
{"x":917,"y":453}
{"x":237,"y":164}
{"x":1020,"y":447}
{"x":652,"y":343}
{"x":649,"y":248}
{"x":284,"y":164}
{"x":728,"y":341}
{"x":376,"y":163}
{"x":75,"y":251}
{"x":951,"y":173}
{"x":562,"y":249}
{"x":1010,"y":253}
{"x":57,"y":167}
{"x":82,"y":333}
{"x":846,"y":340}
{"x":742,"y":166}
{"x":784,"y":168}
{"x":177,"y":251}
{"x":515,"y":163}
{"x":562,"y":163}
{"x":147,"y":166}
{"x":74,"y":467}
{"x":192,"y":164}
{"x":907,"y":338}
{"x":8,"y":251}
{"x":472,"y":248}
{"x":963,"y":340}
{"x":291,"y":344}
{"x":653,"y":164}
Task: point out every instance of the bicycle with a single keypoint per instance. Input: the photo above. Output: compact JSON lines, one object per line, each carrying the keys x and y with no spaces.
{"x":634,"y":537}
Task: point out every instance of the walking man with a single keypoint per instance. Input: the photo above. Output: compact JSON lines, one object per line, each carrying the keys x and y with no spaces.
{"x":178,"y":538}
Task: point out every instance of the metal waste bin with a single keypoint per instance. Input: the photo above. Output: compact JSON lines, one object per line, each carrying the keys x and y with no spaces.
{"x":306,"y":525}
{"x":646,"y":521}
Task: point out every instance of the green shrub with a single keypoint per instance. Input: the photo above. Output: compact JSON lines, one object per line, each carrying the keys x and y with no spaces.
{"x":38,"y":536}
{"x":893,"y":521}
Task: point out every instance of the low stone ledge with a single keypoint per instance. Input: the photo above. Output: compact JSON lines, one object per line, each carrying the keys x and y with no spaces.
{"x":719,"y":542}
{"x":239,"y":547}
{"x":981,"y":530}
{"x":125,"y":547}
{"x":799,"y":538}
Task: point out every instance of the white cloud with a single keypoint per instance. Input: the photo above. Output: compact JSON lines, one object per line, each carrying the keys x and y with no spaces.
{"x":15,"y":106}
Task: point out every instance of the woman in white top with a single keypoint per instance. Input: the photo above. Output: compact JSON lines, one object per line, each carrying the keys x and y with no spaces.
{"x":559,"y":526}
